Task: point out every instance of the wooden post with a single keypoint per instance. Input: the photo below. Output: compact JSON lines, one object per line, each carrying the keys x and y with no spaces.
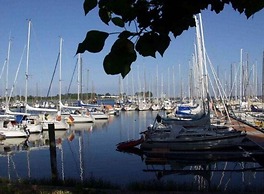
{"x":53,"y":158}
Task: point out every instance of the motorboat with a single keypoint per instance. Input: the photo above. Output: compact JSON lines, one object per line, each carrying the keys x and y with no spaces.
{"x":10,"y":130}
{"x":98,"y":114}
{"x":79,"y":116}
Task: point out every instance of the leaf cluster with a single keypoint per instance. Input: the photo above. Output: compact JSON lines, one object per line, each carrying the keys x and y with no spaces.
{"x":154,"y":22}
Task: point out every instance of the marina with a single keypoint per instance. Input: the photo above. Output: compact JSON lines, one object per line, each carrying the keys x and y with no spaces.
{"x":86,"y":150}
{"x":182,"y":124}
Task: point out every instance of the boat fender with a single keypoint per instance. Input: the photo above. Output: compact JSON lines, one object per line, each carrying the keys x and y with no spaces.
{"x":58,"y":118}
{"x":150,"y":127}
{"x":26,"y":130}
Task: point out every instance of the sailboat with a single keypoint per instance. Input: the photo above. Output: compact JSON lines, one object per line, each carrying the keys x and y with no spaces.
{"x":8,"y":127}
{"x":181,"y":134}
{"x":56,"y":119}
{"x":76,"y":114}
{"x":179,"y":138}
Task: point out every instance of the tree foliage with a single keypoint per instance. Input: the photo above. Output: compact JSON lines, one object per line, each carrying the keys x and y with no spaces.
{"x":153,"y":22}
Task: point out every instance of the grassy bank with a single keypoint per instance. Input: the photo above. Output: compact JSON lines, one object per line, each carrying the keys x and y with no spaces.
{"x":99,"y":186}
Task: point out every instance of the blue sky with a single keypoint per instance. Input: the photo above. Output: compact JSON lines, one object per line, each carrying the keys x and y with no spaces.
{"x":225,"y":34}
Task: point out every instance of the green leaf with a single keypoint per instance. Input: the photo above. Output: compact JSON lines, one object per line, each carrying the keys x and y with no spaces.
{"x":146,"y":45}
{"x":88,"y":5}
{"x":119,"y":7}
{"x":81,"y":48}
{"x":120,"y":58}
{"x":111,"y":64}
{"x":217,"y":6}
{"x":125,"y":34}
{"x":253,"y":7}
{"x":104,"y":15}
{"x":118,"y":22}
{"x":162,"y":43}
{"x":94,"y":42}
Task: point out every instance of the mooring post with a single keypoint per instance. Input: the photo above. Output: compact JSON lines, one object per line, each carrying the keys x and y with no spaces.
{"x":53,"y":158}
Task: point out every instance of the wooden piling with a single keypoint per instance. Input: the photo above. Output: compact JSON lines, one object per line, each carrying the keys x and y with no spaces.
{"x":53,"y":158}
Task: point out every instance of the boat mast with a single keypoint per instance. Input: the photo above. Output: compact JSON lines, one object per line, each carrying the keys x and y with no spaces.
{"x":87,"y":85}
{"x":27,"y":63}
{"x":60,"y":62}
{"x":81,"y":77}
{"x":200,"y":57}
{"x":168,"y":83}
{"x":241,"y":76}
{"x":231,"y":82}
{"x":262,"y":79}
{"x":157,"y":80}
{"x":181,"y":95}
{"x":78,"y":77}
{"x":190,"y":81}
{"x":7,"y":64}
{"x":133,"y":89}
{"x":173,"y":82}
{"x":255,"y":77}
{"x":204,"y":57}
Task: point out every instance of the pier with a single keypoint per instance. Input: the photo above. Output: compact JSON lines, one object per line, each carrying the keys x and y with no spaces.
{"x":255,"y":134}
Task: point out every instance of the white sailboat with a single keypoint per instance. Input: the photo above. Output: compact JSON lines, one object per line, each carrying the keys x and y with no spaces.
{"x":8,"y":127}
{"x":56,"y":119}
{"x":182,"y":134}
{"x":10,"y":130}
{"x":98,"y":114}
{"x":76,"y":114}
{"x":23,"y":118}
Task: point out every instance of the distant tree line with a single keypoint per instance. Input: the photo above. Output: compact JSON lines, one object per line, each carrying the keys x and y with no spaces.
{"x":74,"y":96}
{"x":69,"y":96}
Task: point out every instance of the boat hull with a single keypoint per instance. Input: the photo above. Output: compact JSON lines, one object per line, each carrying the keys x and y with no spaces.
{"x":13,"y":133}
{"x":129,"y":144}
{"x":202,"y":121}
{"x":57,"y":125}
{"x":197,"y":144}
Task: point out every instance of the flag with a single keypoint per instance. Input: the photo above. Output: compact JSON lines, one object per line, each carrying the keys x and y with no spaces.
{"x":58,"y":118}
{"x":70,"y":119}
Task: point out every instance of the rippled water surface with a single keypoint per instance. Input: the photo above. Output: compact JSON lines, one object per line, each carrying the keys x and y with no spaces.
{"x":87,"y":150}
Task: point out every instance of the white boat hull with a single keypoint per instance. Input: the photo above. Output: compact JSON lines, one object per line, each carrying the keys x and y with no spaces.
{"x":99,"y":115}
{"x":80,"y":119}
{"x":58,"y":125}
{"x":13,"y":133}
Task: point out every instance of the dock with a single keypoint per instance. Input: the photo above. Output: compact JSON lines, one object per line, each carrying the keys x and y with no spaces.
{"x":255,"y":134}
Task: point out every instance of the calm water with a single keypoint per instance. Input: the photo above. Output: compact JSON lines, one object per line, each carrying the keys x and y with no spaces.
{"x":92,"y":152}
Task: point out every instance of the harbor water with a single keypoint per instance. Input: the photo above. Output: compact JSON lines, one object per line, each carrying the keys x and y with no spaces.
{"x":89,"y":150}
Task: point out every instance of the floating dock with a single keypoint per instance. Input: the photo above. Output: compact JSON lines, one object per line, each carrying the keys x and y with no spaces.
{"x":254,"y":133}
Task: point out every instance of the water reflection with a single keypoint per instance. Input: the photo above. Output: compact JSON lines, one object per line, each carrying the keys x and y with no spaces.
{"x":11,"y":148}
{"x":82,"y":127}
{"x":11,"y":145}
{"x":207,"y":170}
{"x":86,"y":150}
{"x":101,"y":124}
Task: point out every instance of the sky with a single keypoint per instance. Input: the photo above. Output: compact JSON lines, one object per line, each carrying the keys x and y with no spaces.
{"x":225,"y":35}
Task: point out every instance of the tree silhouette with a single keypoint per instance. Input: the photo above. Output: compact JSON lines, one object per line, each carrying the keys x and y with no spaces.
{"x":154,"y":21}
